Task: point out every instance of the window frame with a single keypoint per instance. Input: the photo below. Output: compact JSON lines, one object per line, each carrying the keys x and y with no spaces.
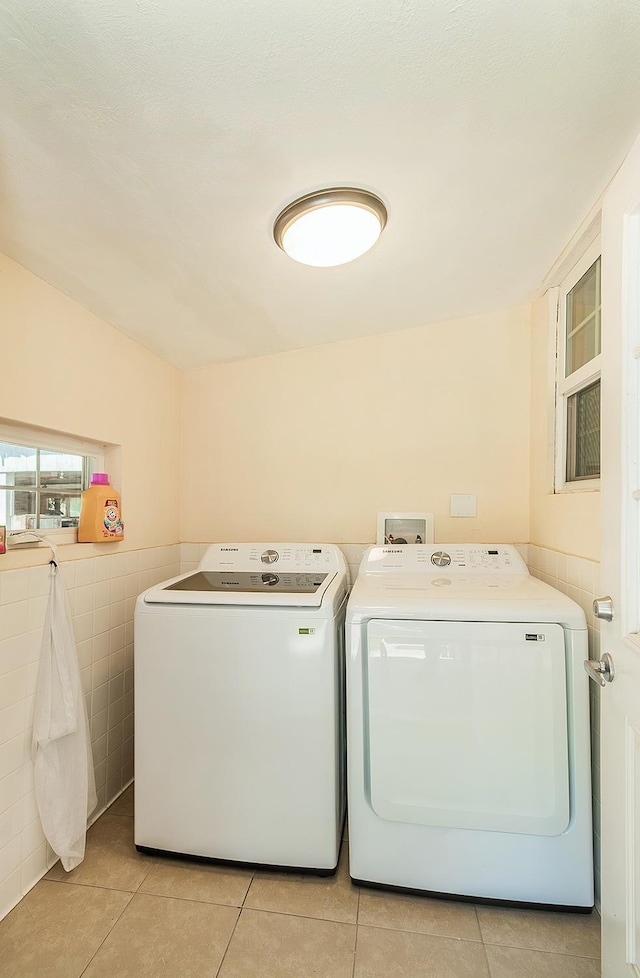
{"x":581,"y":378}
{"x":48,"y":440}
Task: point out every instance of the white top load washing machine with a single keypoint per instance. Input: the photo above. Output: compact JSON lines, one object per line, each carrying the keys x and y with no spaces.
{"x":467,"y":728}
{"x":239,"y":718}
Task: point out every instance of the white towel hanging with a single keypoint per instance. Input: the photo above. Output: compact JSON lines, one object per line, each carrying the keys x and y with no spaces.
{"x":61,"y":748}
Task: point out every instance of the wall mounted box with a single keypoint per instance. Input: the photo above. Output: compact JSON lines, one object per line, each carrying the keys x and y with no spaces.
{"x":405,"y":528}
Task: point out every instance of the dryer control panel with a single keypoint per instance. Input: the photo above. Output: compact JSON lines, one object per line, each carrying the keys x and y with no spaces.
{"x":458,"y":558}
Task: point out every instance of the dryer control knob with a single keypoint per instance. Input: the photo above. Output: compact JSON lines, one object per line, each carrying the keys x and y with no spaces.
{"x":440,"y":558}
{"x":269,"y":556}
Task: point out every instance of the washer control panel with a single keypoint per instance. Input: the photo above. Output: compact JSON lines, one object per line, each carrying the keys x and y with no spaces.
{"x":284,"y":557}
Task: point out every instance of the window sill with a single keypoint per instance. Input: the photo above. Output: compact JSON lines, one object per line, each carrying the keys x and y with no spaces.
{"x":36,"y":554}
{"x":587,"y":485}
{"x":59,"y":537}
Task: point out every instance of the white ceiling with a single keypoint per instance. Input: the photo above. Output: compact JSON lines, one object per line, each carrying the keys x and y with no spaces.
{"x":147,"y":147}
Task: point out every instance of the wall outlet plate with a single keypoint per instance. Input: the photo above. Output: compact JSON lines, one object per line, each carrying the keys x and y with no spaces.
{"x":404,"y":528}
{"x":464,"y":504}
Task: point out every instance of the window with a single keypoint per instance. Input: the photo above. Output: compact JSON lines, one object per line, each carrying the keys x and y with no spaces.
{"x":578,"y":376}
{"x":42,"y":476}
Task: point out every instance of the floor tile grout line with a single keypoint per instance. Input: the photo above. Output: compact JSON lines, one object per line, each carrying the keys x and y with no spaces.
{"x":22,"y":900}
{"x":231,"y":936}
{"x":182,"y":899}
{"x":217,"y":903}
{"x":160,"y":896}
{"x":485,"y":955}
{"x":106,"y":936}
{"x":246,"y":894}
{"x":145,"y":877}
{"x":475,"y":910}
{"x":422,"y":933}
{"x":93,"y":886}
{"x":545,"y":950}
{"x":461,"y":940}
{"x":299,"y":916}
{"x":355,"y":943}
{"x":484,"y":949}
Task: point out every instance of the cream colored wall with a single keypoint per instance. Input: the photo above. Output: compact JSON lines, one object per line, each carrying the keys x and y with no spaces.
{"x":311,"y":445}
{"x":67,"y":370}
{"x":567,"y":522}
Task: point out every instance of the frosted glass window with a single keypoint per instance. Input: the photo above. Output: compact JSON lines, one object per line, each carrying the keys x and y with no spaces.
{"x":583,"y":431}
{"x":579,"y":361}
{"x":583,"y":320}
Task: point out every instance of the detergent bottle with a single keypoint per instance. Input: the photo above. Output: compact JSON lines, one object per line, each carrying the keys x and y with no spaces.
{"x":100,"y":517}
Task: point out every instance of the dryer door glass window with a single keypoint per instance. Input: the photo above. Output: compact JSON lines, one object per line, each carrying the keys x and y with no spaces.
{"x":468,"y":725}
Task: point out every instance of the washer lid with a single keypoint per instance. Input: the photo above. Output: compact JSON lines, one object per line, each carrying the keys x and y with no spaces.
{"x":268,"y":581}
{"x":283,"y":589}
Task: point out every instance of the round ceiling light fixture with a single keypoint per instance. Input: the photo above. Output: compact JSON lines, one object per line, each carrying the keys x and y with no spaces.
{"x":330,"y":227}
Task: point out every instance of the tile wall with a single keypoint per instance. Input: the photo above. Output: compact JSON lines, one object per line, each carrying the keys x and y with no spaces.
{"x":101,"y":594}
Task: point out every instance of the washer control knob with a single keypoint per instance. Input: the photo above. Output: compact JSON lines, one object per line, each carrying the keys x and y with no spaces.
{"x":440,"y":558}
{"x":269,"y":556}
{"x":270,"y":579}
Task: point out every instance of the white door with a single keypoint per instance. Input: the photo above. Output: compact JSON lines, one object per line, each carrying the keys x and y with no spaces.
{"x":620,"y":699}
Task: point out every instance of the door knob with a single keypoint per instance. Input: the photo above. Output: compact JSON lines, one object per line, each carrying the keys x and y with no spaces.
{"x":600,"y":670}
{"x":603,"y":608}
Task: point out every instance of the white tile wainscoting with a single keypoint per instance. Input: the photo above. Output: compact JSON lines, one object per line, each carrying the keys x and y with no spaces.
{"x":101,"y":594}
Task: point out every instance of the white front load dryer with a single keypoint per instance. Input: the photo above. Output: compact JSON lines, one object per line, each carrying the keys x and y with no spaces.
{"x":467,"y":728}
{"x":239,"y":708}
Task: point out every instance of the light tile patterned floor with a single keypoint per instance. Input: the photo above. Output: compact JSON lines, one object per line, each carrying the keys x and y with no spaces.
{"x":125,"y":915}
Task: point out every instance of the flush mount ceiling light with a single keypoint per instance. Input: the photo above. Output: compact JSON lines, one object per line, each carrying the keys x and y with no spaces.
{"x":330,"y":227}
